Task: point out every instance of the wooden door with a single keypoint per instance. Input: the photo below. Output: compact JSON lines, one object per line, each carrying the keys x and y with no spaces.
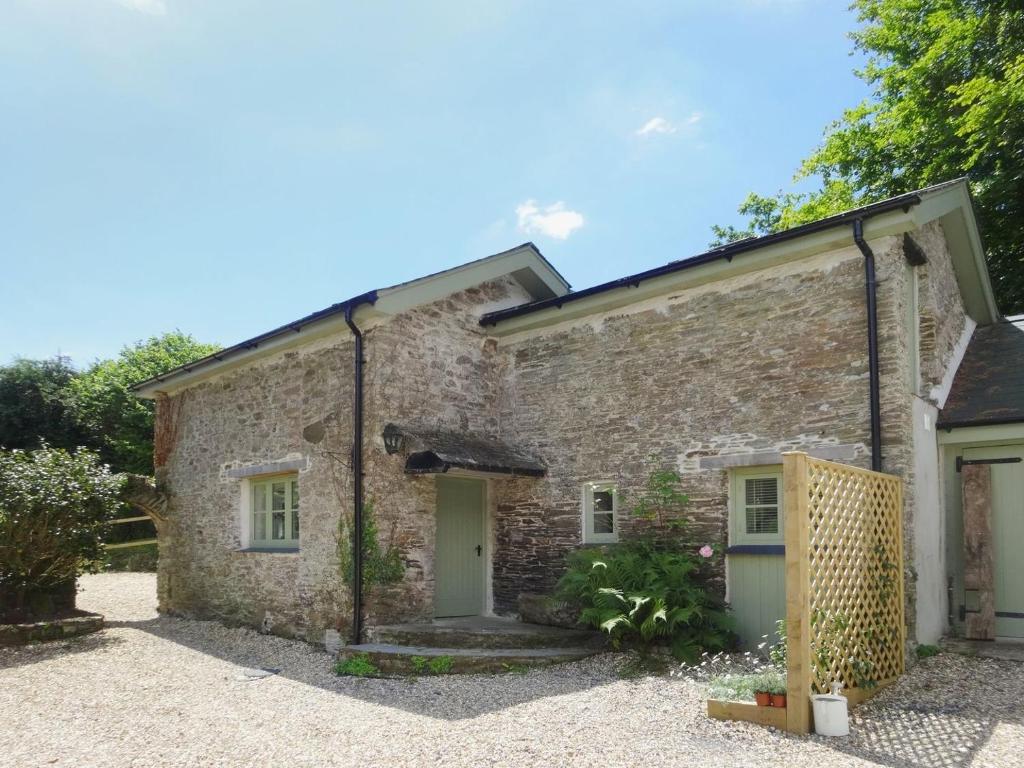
{"x":459,"y":547}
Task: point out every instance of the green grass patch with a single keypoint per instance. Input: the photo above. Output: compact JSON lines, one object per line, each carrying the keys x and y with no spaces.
{"x":440,"y":665}
{"x":357,"y":666}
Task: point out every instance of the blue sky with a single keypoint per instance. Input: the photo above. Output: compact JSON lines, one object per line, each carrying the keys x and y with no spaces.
{"x":224,"y":167}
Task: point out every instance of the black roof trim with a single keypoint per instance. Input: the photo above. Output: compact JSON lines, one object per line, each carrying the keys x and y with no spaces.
{"x":369,"y":297}
{"x":726,"y":252}
{"x":949,"y":426}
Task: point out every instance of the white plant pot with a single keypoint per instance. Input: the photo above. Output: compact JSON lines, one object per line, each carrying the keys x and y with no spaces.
{"x":831,"y":714}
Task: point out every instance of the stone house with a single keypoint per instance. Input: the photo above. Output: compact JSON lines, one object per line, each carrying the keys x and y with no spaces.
{"x":499,"y":420}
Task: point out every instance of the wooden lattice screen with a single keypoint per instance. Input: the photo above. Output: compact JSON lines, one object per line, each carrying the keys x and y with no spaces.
{"x":844,"y":581}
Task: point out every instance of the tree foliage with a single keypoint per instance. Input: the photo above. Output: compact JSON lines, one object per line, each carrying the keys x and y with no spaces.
{"x":106,"y":406}
{"x":53,"y":506}
{"x":948,"y":100}
{"x":35,"y":405}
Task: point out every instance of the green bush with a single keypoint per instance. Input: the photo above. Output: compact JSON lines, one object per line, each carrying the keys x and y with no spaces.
{"x":380,"y":566}
{"x":357,"y":666}
{"x":643,"y":594}
{"x":927,"y":651}
{"x":440,"y":665}
{"x":53,"y":509}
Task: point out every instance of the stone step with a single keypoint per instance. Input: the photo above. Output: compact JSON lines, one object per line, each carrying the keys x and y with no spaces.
{"x":483,"y":632}
{"x":408,"y":659}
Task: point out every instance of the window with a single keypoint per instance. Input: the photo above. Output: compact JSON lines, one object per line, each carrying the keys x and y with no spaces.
{"x":757,"y":507}
{"x":275,"y":512}
{"x":600,"y":503}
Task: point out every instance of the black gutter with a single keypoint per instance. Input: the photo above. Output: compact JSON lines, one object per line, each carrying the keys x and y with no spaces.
{"x":357,"y":466}
{"x":726,"y":252}
{"x":995,"y":421}
{"x":253,"y":343}
{"x":871,"y":291}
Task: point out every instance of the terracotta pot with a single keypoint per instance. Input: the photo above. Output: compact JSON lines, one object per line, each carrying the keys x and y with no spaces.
{"x":779,"y":700}
{"x":763,"y":699}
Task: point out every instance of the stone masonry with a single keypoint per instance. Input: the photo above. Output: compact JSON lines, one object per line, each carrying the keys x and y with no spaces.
{"x":769,"y":361}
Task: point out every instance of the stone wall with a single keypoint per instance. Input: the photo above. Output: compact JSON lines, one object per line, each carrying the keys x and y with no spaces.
{"x":941,"y":308}
{"x":771,"y":361}
{"x":433,"y":366}
{"x":251,"y":416}
{"x":766,"y":362}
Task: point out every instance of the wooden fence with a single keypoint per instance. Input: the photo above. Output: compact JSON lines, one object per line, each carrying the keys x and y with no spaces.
{"x":844,"y":581}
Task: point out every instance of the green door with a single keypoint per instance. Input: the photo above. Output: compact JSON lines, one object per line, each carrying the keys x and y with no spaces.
{"x":1007,"y":535}
{"x":459,"y":548}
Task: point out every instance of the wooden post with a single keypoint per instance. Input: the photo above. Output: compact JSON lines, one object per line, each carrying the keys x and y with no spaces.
{"x":898,"y":531}
{"x":798,"y":598}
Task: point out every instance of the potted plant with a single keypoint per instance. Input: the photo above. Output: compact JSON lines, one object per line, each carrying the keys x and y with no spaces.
{"x":762,"y":694}
{"x":778,"y":692}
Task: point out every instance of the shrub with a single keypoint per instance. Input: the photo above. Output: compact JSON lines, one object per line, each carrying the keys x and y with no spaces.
{"x":53,"y":507}
{"x":380,"y":566}
{"x":644,"y":595}
{"x":357,"y":666}
{"x":927,"y":651}
{"x":440,"y":665}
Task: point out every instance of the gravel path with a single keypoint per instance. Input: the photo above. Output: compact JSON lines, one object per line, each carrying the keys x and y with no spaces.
{"x":152,"y":691}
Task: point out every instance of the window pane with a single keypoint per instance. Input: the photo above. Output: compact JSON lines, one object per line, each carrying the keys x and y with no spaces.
{"x":295,"y":525}
{"x":295,"y":494}
{"x":259,"y":497}
{"x":604,"y":522}
{"x":762,"y":519}
{"x":603,"y":501}
{"x":762,"y":491}
{"x":278,"y":526}
{"x":259,"y":526}
{"x":277,"y":498}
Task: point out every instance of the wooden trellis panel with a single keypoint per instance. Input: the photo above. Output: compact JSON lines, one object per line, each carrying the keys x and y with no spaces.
{"x":844,"y":581}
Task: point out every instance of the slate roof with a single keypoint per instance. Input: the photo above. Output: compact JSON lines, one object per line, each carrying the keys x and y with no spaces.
{"x":437,"y":451}
{"x":989,"y":384}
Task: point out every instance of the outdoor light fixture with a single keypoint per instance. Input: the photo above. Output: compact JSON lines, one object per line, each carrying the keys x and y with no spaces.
{"x":392,"y":439}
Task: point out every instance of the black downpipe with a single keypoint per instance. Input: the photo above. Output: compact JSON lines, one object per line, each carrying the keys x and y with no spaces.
{"x":871,"y":287}
{"x":357,"y":471}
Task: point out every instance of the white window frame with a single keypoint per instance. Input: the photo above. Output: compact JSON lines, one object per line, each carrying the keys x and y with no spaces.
{"x":589,"y":536}
{"x":292,"y":510}
{"x":738,"y":506}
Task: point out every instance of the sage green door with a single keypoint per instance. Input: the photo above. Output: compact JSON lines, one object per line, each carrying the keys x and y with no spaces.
{"x":459,"y":547}
{"x":1007,"y":535}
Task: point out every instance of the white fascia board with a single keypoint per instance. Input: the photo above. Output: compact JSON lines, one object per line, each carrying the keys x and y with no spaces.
{"x":398,"y":298}
{"x":840,"y":236}
{"x":390,"y":301}
{"x":318,"y":330}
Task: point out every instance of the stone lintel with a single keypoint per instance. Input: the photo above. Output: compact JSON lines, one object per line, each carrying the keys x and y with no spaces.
{"x":270,"y":468}
{"x":765,"y":458}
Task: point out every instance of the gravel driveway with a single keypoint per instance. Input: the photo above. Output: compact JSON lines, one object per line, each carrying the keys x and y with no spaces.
{"x":151,"y":691}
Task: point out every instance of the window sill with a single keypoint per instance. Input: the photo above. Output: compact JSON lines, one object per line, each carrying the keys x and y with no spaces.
{"x":756,"y":549}
{"x":268,"y":551}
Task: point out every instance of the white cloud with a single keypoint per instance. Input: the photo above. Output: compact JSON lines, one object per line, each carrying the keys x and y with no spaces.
{"x":152,"y":7}
{"x":656,"y":125}
{"x":552,"y":220}
{"x":660,"y":125}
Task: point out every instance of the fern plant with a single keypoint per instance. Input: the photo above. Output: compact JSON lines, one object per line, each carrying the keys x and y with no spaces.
{"x":642,"y":595}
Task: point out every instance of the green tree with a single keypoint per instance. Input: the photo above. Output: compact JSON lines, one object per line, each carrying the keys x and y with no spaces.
{"x":53,"y":508}
{"x":106,"y":405}
{"x":947,"y":101}
{"x":35,"y":405}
